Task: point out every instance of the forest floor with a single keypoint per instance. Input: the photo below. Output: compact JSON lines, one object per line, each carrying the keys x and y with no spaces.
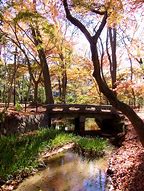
{"x":127,"y":164}
{"x":29,"y":110}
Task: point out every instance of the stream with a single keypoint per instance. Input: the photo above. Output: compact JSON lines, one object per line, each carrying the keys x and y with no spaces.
{"x":68,"y":171}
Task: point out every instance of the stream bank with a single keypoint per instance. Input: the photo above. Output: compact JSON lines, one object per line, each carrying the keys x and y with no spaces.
{"x":126,"y":166}
{"x":68,"y":171}
{"x":97,"y":166}
{"x":24,"y":149}
{"x":13,"y":183}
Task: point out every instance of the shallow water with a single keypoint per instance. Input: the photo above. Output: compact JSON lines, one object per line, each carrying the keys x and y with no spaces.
{"x":68,"y":172}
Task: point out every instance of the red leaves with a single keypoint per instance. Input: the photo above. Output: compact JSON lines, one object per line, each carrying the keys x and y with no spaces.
{"x":128,"y":164}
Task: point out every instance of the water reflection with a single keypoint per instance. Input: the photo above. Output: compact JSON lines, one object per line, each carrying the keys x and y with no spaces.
{"x":68,"y":172}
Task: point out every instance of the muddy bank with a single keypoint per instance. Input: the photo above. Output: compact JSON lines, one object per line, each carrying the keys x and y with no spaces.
{"x":126,"y":170}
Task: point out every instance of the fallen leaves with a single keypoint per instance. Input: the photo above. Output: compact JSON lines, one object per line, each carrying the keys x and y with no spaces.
{"x":127,"y":164}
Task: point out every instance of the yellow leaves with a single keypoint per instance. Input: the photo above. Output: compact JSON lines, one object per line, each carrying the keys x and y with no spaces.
{"x":22,"y":69}
{"x":115,"y":10}
{"x":113,"y":7}
{"x":54,"y":11}
{"x":136,"y":48}
{"x":81,"y":5}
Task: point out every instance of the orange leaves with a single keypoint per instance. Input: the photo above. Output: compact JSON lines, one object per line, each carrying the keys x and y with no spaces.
{"x":124,"y":85}
{"x":115,"y":10}
{"x":113,"y":7}
{"x":54,"y":11}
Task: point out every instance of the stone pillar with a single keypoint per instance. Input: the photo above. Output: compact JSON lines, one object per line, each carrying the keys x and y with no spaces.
{"x":49,"y":121}
{"x":79,"y":125}
{"x":76,"y":123}
{"x":82,"y":125}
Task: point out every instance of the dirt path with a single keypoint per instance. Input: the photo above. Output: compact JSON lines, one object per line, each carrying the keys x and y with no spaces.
{"x":127,"y":164}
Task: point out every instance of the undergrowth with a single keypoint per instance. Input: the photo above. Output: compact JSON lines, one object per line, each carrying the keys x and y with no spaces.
{"x":95,"y":144}
{"x":21,"y":152}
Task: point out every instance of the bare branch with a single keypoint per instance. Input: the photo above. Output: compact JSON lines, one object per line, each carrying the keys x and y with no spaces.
{"x":101,"y":61}
{"x":102,"y":25}
{"x":98,"y":12}
{"x":25,"y":33}
{"x":76,"y":22}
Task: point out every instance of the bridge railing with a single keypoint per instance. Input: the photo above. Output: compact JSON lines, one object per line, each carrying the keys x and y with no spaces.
{"x":78,"y":108}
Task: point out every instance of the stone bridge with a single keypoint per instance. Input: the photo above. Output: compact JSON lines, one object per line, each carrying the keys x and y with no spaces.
{"x":106,"y":117}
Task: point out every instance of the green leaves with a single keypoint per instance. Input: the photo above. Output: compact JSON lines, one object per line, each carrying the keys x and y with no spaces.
{"x":27,"y":16}
{"x":49,"y":29}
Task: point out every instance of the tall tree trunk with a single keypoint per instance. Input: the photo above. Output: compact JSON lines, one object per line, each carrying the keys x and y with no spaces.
{"x":113,"y":67}
{"x":111,"y":36}
{"x":12,"y":80}
{"x":4,"y":94}
{"x":64,"y":79}
{"x":45,"y":69}
{"x":28,"y":92}
{"x":36,"y":93}
{"x":46,"y":76}
{"x":59,"y":88}
{"x":131,"y":77}
{"x":14,"y":92}
{"x":64,"y":87}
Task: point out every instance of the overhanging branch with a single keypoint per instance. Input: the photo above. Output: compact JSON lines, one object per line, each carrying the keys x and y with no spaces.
{"x":76,"y":22}
{"x":98,"y":12}
{"x":102,"y":25}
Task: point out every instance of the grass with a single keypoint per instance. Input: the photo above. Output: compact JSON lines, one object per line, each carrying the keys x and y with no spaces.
{"x":18,"y":153}
{"x":62,"y":138}
{"x":97,"y":144}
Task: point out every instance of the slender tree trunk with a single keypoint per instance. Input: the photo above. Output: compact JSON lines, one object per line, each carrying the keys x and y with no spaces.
{"x":4,"y":94}
{"x":45,"y":69}
{"x":64,"y":84}
{"x":131,"y":76}
{"x":64,"y":78}
{"x":14,"y":92}
{"x":36,"y":93}
{"x":111,"y":36}
{"x":113,"y":67}
{"x":26,"y":99}
{"x":46,"y":76}
{"x":59,"y":88}
{"x":12,"y":81}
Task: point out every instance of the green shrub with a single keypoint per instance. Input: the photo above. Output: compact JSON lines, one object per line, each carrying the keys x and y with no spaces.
{"x":95,"y":144}
{"x":18,"y":107}
{"x":62,"y":139}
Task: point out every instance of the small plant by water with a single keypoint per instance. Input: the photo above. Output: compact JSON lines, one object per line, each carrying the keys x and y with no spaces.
{"x":18,"y":107}
{"x":18,"y":153}
{"x":94,"y":144}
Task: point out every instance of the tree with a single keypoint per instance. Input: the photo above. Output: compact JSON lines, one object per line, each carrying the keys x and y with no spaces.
{"x":111,"y":35}
{"x":24,"y":28}
{"x":108,"y":12}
